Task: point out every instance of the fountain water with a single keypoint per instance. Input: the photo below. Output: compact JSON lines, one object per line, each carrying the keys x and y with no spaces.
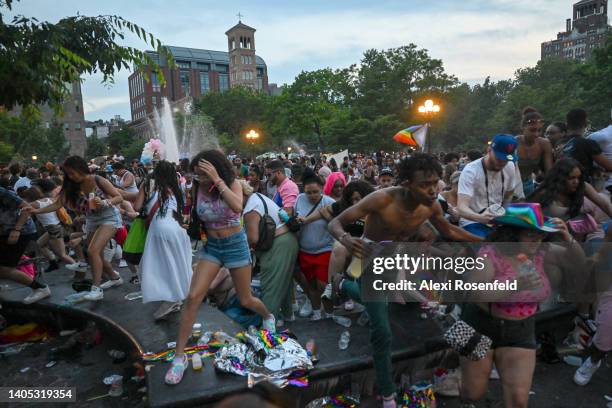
{"x":197,"y":132}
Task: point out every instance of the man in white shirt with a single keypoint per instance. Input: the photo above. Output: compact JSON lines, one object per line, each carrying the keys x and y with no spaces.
{"x":486,"y":184}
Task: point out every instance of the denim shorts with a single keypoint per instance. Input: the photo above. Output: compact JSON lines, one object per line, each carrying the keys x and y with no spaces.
{"x":106,"y":216}
{"x":503,"y":332}
{"x":232,"y":251}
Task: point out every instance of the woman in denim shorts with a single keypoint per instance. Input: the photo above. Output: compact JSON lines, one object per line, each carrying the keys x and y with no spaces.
{"x":95,"y":197}
{"x":218,"y":201}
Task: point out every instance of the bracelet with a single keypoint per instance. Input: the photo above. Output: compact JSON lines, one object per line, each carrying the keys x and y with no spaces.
{"x":222,"y":191}
{"x":342,"y":236}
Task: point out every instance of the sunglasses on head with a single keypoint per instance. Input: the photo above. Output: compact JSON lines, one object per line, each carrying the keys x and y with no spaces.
{"x":534,"y":121}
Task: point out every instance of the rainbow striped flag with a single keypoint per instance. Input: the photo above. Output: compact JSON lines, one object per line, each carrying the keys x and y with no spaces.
{"x":412,"y":136}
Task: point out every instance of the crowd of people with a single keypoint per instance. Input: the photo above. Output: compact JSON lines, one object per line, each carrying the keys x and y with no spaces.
{"x":216,"y":220}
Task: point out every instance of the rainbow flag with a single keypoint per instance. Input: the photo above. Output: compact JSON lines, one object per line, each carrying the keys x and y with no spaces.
{"x":412,"y":136}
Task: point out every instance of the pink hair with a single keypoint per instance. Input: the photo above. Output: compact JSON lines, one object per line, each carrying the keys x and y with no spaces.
{"x":331,"y":180}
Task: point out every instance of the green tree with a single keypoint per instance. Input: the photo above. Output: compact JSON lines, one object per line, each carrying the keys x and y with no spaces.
{"x":6,"y":152}
{"x":95,"y":147}
{"x":234,"y":112}
{"x":389,"y":81}
{"x":595,"y":89}
{"x":42,"y":58}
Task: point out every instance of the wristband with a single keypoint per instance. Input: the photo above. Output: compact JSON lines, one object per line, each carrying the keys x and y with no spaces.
{"x":342,"y":236}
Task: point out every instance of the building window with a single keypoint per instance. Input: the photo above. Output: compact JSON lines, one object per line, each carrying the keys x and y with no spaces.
{"x":66,"y":126}
{"x":47,"y":125}
{"x":260,"y":83}
{"x":154,"y":82}
{"x":183,"y":64}
{"x":203,"y":66}
{"x":77,"y":126}
{"x":184,"y":77}
{"x":221,"y":68}
{"x":154,"y":100}
{"x":223,"y":82}
{"x":204,"y":83}
{"x":77,"y":107}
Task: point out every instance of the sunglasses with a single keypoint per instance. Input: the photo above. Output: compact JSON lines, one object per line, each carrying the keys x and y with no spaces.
{"x":534,"y":121}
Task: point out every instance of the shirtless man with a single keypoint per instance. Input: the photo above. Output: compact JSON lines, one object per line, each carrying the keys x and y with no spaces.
{"x":394,"y":214}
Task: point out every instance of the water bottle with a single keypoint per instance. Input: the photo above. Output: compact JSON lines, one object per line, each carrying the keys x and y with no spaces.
{"x":345,"y":339}
{"x":354,"y":269}
{"x":196,"y":331}
{"x":196,"y":361}
{"x":282,"y":214}
{"x":342,"y":321}
{"x":527,"y":267}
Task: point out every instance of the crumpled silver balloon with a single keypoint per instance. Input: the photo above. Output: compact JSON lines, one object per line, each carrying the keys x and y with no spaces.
{"x":233,"y":359}
{"x":290,"y":355}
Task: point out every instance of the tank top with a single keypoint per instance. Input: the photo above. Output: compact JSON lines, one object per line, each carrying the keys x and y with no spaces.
{"x":48,"y":218}
{"x":82,"y":204}
{"x":525,"y":302}
{"x":132,"y":187}
{"x":215,"y":213}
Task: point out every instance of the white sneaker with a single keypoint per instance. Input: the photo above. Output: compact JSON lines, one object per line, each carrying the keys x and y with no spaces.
{"x":494,"y":374}
{"x":37,"y":294}
{"x":166,"y":308}
{"x":327,"y":293}
{"x":316,"y":315}
{"x":77,"y":266}
{"x":269,"y":324}
{"x":295,"y":307}
{"x":94,"y":294}
{"x":112,"y":282}
{"x":306,"y":309}
{"x":585,"y":372}
{"x":123,"y":263}
{"x":349,"y":305}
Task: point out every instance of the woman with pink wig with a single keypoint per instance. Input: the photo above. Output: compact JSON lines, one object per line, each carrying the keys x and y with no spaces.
{"x":334,"y":185}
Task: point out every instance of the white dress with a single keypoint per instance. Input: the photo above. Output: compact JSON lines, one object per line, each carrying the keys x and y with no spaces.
{"x":166,"y":261}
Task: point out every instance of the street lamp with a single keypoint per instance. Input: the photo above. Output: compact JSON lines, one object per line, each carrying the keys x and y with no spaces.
{"x":34,"y":157}
{"x":252,"y":137}
{"x":429,"y":109}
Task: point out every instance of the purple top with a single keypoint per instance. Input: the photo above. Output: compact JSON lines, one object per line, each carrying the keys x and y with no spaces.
{"x":215,"y":213}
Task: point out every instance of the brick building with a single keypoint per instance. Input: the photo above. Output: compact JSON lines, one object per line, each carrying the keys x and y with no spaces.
{"x":586,"y":31}
{"x":198,"y":71}
{"x":72,"y":119}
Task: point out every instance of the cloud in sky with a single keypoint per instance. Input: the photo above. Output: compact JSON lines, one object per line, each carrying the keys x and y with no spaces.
{"x":474,"y":38}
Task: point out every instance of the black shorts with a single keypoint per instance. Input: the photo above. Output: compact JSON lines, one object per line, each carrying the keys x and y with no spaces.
{"x":11,"y":254}
{"x":503,"y":332}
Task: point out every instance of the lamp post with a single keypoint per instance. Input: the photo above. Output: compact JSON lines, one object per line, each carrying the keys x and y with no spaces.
{"x":252,"y":137}
{"x":34,"y":157}
{"x":429,"y":109}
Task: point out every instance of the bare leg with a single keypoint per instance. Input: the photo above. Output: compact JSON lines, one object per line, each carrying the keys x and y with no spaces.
{"x":338,"y":261}
{"x":475,"y":377}
{"x":516,"y":367}
{"x":316,"y":289}
{"x":98,"y":241}
{"x":15,"y":275}
{"x":242,"y":282}
{"x":204,"y":274}
{"x":58,"y":247}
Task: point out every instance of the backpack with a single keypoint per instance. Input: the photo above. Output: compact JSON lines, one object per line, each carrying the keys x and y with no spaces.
{"x":267,"y":229}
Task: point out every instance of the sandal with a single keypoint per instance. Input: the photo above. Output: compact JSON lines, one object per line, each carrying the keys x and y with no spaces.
{"x":174,"y":375}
